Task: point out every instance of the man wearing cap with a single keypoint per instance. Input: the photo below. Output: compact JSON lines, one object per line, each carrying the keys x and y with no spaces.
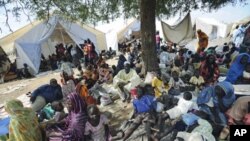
{"x":125,"y":80}
{"x":47,"y":93}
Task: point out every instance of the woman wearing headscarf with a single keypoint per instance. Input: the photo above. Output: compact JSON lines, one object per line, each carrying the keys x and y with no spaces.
{"x":202,"y":41}
{"x":24,"y":124}
{"x":72,"y":127}
{"x":237,"y":67}
{"x":216,"y":100}
{"x":68,"y":85}
{"x":209,"y":70}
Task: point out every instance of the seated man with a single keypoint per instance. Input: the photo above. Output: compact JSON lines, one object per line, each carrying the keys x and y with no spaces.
{"x":125,"y":80}
{"x":45,"y":94}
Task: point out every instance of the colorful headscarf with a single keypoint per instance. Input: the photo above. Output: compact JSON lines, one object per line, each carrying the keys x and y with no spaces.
{"x":76,"y":119}
{"x":79,"y":105}
{"x":24,"y":124}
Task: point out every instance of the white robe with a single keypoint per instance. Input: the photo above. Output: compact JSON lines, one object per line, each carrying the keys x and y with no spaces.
{"x":132,"y":77}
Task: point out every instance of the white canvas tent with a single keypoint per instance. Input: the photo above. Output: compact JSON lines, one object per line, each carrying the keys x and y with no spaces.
{"x":112,"y":29}
{"x":133,"y":27}
{"x":39,"y":38}
{"x":213,"y":28}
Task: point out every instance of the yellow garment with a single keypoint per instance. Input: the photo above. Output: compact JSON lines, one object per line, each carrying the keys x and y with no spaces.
{"x":197,"y":81}
{"x":202,"y":41}
{"x":159,"y":86}
{"x":24,"y":124}
{"x":196,"y":65}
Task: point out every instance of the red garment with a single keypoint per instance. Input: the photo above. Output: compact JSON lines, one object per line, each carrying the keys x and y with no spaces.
{"x":158,"y":39}
{"x":82,"y":90}
{"x":246,"y":119}
{"x":205,"y":72}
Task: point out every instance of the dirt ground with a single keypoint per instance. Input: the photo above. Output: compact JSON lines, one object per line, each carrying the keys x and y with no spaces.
{"x":16,"y":88}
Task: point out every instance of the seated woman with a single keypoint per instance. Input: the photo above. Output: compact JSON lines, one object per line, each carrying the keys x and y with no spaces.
{"x":97,"y":125}
{"x":209,"y":70}
{"x":72,"y":127}
{"x":68,"y":85}
{"x":237,"y":67}
{"x":24,"y":124}
{"x":245,"y":78}
{"x":239,"y":110}
{"x":82,"y":89}
{"x":216,"y":100}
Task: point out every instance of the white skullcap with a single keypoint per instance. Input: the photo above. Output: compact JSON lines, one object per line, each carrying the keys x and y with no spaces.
{"x":126,"y":63}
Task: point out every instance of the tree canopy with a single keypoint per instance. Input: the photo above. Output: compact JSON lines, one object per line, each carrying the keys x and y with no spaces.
{"x":92,"y":11}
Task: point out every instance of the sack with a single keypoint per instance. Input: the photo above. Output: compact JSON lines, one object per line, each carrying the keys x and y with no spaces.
{"x":159,"y":107}
{"x":133,"y":93}
{"x":149,"y":77}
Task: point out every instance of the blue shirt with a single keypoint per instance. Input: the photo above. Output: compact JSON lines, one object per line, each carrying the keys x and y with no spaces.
{"x":144,"y":104}
{"x":49,"y":93}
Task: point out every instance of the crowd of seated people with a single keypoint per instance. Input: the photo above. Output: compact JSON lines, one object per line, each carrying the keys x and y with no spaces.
{"x":182,"y":100}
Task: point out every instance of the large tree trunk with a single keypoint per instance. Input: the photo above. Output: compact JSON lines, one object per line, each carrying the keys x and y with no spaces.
{"x":147,"y":14}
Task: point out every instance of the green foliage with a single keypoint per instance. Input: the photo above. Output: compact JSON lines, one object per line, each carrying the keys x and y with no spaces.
{"x":92,"y":11}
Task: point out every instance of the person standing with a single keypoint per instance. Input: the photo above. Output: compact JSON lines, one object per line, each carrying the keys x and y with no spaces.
{"x":202,"y":41}
{"x":158,"y":41}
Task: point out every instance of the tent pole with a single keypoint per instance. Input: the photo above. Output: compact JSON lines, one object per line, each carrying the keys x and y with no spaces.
{"x":62,"y":36}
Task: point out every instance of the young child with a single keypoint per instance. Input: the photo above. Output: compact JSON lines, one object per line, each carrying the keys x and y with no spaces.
{"x":97,"y":125}
{"x":59,"y":111}
{"x":197,"y":80}
{"x":144,"y":102}
{"x":159,"y":85}
{"x":184,"y":105}
{"x":175,"y":83}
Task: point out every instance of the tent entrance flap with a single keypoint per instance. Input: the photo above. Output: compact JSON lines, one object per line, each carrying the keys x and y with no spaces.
{"x":29,"y":54}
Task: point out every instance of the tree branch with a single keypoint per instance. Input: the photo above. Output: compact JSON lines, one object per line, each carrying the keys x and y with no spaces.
{"x":7,"y":16}
{"x":28,"y":16}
